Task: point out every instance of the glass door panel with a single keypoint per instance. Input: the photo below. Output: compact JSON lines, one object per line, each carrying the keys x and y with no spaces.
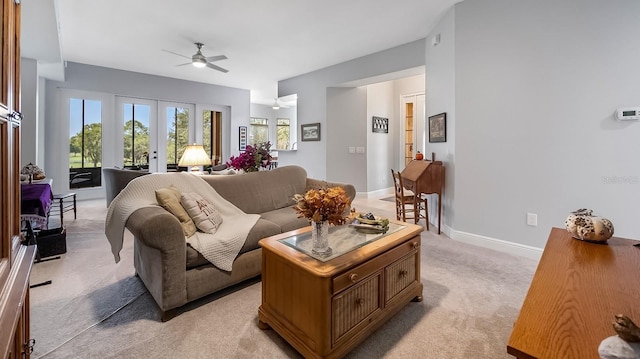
{"x":408,"y":127}
{"x":175,"y":122}
{"x":136,"y":136}
{"x":138,"y":139}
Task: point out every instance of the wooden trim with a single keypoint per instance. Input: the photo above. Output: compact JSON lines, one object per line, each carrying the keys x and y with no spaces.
{"x":13,"y":297}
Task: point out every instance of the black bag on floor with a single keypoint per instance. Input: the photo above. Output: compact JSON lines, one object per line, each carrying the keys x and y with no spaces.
{"x":51,"y":242}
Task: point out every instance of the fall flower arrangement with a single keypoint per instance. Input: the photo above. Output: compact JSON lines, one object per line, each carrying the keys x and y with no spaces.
{"x":323,"y":205}
{"x":252,"y":158}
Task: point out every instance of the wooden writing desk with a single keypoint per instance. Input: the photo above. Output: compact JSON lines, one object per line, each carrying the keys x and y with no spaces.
{"x":574,"y":295}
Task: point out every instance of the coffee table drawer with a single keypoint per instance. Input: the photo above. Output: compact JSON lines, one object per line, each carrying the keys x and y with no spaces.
{"x":361,"y":272}
{"x":354,"y":305}
{"x":400,"y":275}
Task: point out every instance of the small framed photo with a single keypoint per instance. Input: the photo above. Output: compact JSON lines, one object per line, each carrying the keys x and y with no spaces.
{"x":438,"y":128}
{"x":242,"y":140}
{"x":310,"y":132}
{"x":380,"y":124}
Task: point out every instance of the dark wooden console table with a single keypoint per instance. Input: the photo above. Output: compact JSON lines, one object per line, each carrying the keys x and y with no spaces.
{"x":574,"y":295}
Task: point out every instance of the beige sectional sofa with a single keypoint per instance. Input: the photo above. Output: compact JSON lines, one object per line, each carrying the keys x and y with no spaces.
{"x":175,"y":274}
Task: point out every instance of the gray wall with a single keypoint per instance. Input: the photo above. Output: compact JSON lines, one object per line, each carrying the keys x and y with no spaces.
{"x":125,"y":83}
{"x":440,"y":62}
{"x":382,"y":148}
{"x":537,"y":83}
{"x":29,"y":107}
{"x":347,"y":109}
{"x":311,"y":89}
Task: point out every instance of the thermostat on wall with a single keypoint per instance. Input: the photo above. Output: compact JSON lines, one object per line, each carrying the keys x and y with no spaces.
{"x":626,"y":114}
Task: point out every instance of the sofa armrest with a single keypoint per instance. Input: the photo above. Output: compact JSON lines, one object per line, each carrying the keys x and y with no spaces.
{"x":316,"y":184}
{"x":159,"y":229}
{"x":160,"y":255}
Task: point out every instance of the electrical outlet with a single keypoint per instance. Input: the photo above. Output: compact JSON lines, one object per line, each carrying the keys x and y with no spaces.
{"x":532,"y":219}
{"x":360,"y":149}
{"x":352,"y":150}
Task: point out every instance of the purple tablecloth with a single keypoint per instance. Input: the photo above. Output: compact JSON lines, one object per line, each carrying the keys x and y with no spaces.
{"x":36,"y":201}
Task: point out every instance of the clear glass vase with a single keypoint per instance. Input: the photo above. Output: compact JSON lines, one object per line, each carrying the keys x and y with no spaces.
{"x":320,"y":237}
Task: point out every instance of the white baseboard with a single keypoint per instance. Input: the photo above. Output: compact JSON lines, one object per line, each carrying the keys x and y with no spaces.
{"x":493,"y":243}
{"x":376,"y":194}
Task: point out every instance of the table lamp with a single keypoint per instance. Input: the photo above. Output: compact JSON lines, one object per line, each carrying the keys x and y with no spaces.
{"x":194,"y":156}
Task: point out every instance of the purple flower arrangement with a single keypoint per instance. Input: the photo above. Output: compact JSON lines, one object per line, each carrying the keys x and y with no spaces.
{"x":253,"y":158}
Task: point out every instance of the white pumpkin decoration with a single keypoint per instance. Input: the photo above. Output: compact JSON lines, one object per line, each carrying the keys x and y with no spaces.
{"x":582,"y":224}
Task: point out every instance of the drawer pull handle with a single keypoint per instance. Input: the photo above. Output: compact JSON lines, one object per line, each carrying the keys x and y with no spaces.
{"x":353,"y":277}
{"x":360,"y":301}
{"x":403,"y":273}
{"x":415,"y":245}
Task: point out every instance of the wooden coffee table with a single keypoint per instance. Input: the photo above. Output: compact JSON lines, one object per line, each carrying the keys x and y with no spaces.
{"x":324,"y":307}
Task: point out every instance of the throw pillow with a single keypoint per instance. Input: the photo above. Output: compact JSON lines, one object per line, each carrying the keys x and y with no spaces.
{"x":169,"y":199}
{"x":206,"y":217}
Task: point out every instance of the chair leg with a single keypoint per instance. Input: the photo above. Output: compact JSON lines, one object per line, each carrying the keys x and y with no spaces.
{"x":426,"y":212}
{"x":61,"y":211}
{"x":74,"y":207}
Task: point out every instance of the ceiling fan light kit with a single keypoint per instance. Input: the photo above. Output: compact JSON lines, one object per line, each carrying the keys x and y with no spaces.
{"x":275,"y":104}
{"x":199,"y":63}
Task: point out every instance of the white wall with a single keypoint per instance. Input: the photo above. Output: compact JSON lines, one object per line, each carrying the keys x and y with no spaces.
{"x":265,"y":111}
{"x":311,"y":89}
{"x":537,"y":83}
{"x":107,"y":83}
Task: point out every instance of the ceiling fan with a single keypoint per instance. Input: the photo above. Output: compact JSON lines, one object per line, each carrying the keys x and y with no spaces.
{"x":199,"y":60}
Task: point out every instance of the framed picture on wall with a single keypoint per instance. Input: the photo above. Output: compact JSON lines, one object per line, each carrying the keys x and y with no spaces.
{"x":310,"y":132}
{"x":380,"y":124}
{"x":438,"y":128}
{"x":242,"y":139}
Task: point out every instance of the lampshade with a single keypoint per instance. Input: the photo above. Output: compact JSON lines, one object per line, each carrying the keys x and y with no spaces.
{"x":194,"y":155}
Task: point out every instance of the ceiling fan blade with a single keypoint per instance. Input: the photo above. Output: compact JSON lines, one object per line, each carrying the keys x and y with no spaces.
{"x":186,"y":63}
{"x":175,"y":53}
{"x":212,"y":66}
{"x":216,"y":58}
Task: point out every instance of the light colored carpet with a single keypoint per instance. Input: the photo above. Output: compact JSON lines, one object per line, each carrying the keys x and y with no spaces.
{"x":96,"y":308}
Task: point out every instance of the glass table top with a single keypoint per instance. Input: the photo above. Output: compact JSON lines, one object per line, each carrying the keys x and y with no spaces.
{"x":342,"y":239}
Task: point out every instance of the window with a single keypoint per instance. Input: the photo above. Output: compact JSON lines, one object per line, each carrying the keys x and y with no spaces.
{"x":85,"y":143}
{"x":177,"y":134}
{"x":136,"y":135}
{"x":258,"y":130}
{"x":282,"y":133}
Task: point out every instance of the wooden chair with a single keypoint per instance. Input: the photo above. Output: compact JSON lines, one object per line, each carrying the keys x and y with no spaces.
{"x":408,"y":205}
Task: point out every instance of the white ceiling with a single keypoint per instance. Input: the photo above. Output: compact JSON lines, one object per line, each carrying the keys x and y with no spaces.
{"x":265,"y":41}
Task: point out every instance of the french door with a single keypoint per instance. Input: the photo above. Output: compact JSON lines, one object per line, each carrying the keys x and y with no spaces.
{"x":154,"y":133}
{"x":412,"y":127}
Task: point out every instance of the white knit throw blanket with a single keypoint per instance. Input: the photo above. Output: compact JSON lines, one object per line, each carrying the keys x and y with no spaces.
{"x":220,"y":248}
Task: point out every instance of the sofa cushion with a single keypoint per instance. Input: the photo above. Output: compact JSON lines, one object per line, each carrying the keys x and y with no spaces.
{"x":263,"y":191}
{"x":262,"y":229}
{"x":169,"y":199}
{"x":203,"y":213}
{"x":286,"y":218}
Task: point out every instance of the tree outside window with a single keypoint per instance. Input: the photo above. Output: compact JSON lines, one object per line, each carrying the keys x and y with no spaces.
{"x":282,"y":133}
{"x":177,"y":134}
{"x":258,"y":130}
